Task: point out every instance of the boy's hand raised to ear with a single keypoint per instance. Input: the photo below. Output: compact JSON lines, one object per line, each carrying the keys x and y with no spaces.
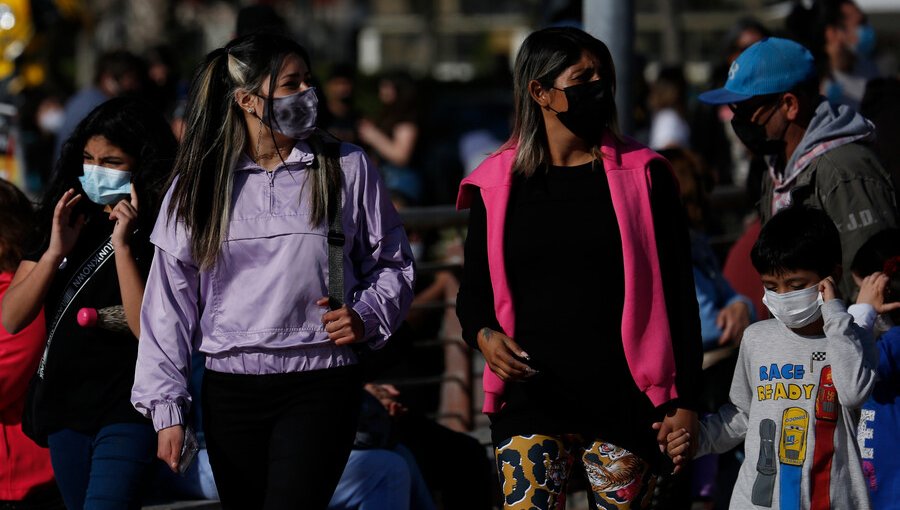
{"x":828,"y":289}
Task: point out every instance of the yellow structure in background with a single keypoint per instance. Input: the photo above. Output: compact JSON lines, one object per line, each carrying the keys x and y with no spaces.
{"x":16,"y":30}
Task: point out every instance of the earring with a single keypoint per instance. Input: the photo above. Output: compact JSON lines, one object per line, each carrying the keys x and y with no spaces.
{"x":249,"y":110}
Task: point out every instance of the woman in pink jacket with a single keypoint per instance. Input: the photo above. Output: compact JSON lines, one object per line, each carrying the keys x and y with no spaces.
{"x":578,"y":287}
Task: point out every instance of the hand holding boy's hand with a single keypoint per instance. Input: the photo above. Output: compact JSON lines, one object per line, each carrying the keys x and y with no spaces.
{"x":828,"y":289}
{"x":872,"y":291}
{"x":678,"y":444}
{"x":675,"y":421}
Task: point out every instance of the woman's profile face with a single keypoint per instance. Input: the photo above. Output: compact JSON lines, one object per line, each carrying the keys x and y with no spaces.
{"x":586,"y":69}
{"x":101,"y":152}
{"x":292,"y":78}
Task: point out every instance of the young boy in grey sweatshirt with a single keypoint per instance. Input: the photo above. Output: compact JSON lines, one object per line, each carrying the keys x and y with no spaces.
{"x":800,"y":379}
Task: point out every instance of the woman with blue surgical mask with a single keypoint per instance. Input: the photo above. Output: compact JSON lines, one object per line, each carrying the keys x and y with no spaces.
{"x":85,"y":267}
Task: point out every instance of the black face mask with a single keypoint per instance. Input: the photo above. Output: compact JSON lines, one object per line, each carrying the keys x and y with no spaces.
{"x":589,"y":110}
{"x":754,"y":136}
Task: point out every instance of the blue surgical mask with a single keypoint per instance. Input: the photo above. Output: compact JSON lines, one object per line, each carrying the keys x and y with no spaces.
{"x":865,"y":41}
{"x":105,"y":186}
{"x":295,"y":115}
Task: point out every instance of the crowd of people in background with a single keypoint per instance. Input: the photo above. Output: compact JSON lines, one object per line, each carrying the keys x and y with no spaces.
{"x":159,"y":340}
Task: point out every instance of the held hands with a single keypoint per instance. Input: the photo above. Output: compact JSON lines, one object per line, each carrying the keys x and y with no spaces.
{"x":733,"y":320}
{"x":674,"y":436}
{"x":168,"y":445}
{"x":678,"y":446}
{"x":873,"y":290}
{"x":64,"y":232}
{"x":344,"y":326}
{"x":125,"y":215}
{"x":828,"y":289}
{"x":503,"y":355}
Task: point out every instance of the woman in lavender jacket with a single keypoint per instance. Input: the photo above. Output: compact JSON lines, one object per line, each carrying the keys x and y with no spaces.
{"x":241,"y":273}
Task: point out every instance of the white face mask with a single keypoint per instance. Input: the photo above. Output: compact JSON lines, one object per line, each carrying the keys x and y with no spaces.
{"x":795,"y":309}
{"x":51,"y":121}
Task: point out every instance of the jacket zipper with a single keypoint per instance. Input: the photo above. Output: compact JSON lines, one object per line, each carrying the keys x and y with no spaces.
{"x":271,"y":176}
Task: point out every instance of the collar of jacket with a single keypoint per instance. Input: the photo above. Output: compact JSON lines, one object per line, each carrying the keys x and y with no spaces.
{"x":301,"y":153}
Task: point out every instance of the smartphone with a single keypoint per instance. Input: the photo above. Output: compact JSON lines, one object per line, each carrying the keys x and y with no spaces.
{"x":189,"y":449}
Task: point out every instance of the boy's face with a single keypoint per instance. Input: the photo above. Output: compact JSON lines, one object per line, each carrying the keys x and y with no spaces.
{"x":790,"y":281}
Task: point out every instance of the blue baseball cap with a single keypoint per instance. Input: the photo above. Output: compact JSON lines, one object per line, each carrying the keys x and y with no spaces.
{"x":770,"y":66}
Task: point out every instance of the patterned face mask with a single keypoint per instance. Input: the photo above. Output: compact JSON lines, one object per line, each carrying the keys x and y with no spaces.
{"x":294,"y":115}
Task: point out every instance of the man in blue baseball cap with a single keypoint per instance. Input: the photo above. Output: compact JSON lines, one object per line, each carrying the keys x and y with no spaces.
{"x":816,"y":152}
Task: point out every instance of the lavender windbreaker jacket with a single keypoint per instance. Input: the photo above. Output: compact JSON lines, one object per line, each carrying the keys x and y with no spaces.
{"x":254,"y":311}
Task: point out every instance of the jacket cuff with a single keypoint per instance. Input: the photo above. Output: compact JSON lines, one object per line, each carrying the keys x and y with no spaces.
{"x":370,"y":324}
{"x":167,"y":415}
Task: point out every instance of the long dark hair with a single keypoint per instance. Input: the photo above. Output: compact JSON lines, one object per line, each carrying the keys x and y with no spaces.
{"x":138,"y":130}
{"x":543,"y":56}
{"x":215,"y":136}
{"x":16,"y":211}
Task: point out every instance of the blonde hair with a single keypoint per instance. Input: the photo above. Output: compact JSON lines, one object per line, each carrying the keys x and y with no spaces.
{"x":215,"y":136}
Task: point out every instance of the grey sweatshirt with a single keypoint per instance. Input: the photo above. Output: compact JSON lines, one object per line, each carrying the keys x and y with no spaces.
{"x":783,"y":405}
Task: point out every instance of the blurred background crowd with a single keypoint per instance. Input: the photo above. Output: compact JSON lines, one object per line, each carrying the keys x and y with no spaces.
{"x":424,"y":85}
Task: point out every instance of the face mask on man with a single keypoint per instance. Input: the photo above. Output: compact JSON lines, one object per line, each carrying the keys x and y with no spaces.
{"x":105,"y":186}
{"x":795,"y":309}
{"x":865,"y":41}
{"x":754,"y":135}
{"x":589,"y":109}
{"x":294,"y":115}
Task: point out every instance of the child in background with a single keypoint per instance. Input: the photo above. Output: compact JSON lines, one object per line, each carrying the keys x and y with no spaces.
{"x":876,"y":270}
{"x":799,"y":380}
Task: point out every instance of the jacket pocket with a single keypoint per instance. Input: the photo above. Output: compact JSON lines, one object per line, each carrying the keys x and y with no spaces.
{"x":270,"y":272}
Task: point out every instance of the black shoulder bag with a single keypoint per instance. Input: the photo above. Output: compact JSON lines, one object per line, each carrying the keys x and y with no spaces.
{"x":33,"y":423}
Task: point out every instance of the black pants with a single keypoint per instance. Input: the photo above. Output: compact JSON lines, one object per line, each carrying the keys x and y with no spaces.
{"x":280,"y":441}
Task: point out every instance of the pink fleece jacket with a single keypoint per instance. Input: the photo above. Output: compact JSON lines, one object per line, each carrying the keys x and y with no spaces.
{"x":646,"y":336}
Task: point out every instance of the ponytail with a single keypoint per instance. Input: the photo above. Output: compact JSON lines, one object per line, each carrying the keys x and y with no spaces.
{"x":213,"y":141}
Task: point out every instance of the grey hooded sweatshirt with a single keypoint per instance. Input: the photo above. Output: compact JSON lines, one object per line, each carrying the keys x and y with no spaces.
{"x":833,"y":170}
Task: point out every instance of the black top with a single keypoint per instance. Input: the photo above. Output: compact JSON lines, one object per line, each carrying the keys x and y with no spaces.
{"x":89,"y":371}
{"x":566,"y":274}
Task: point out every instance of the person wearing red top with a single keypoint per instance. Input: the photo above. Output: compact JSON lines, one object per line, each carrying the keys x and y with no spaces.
{"x":26,"y":477}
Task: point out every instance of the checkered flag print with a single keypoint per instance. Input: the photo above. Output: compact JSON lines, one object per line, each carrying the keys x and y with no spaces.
{"x":818,"y":356}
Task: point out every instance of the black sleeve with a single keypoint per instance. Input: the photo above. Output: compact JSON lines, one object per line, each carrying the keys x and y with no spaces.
{"x":475,"y":301}
{"x":674,"y":248}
